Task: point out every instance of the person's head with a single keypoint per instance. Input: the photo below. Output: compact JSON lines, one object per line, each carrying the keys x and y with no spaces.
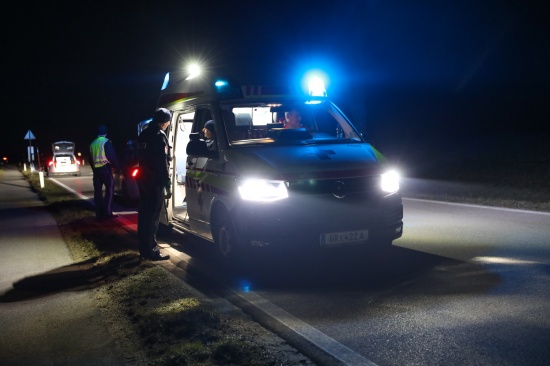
{"x":102,"y":130}
{"x":293,"y":119}
{"x":209,"y":130}
{"x":162,"y":118}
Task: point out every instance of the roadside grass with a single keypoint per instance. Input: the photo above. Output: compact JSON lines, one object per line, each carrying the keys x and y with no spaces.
{"x":518,"y":183}
{"x":162,"y":320}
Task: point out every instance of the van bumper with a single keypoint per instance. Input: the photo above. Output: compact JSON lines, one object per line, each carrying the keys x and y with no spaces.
{"x":300,"y":222}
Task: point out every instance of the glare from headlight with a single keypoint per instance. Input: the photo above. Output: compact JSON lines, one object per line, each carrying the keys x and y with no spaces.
{"x":262,"y":190}
{"x":390,"y":181}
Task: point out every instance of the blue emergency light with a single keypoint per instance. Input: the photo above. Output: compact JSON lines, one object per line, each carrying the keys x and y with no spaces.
{"x":316,"y":87}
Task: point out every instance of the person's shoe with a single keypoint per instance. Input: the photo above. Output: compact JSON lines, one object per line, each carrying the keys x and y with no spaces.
{"x":159,"y":257}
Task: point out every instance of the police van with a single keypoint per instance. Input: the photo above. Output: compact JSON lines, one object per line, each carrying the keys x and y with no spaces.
{"x":316,"y":186}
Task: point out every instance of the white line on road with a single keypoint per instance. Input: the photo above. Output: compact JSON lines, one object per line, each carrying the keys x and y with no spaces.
{"x":478,"y":206}
{"x":70,"y":189}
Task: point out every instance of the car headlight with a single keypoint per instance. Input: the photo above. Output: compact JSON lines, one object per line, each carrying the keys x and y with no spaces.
{"x":262,"y":190}
{"x":390,"y":181}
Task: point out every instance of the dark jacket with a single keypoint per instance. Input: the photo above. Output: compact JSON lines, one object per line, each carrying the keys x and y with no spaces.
{"x":153,"y":156}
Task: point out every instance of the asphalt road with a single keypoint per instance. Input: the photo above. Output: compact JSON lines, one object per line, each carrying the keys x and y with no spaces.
{"x":465,"y":285}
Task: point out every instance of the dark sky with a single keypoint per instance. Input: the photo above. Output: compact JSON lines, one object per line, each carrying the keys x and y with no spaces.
{"x":410,"y":74}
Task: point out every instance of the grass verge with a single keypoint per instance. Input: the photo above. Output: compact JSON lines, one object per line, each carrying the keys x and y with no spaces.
{"x":157,"y":318}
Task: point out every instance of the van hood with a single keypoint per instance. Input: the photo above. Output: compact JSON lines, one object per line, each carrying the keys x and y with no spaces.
{"x":306,"y":162}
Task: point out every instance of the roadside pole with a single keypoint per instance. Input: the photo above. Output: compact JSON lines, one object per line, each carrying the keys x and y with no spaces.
{"x":30,"y":136}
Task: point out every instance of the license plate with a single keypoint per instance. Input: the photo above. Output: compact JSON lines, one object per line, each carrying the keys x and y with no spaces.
{"x":344,"y":238}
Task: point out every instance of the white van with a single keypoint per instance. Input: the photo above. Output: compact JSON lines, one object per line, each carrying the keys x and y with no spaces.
{"x":314,"y":187}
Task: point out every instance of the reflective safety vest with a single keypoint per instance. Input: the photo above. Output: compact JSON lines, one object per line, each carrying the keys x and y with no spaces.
{"x":97,"y":149}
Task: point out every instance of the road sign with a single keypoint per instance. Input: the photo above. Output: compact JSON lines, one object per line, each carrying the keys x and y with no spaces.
{"x":29,"y":136}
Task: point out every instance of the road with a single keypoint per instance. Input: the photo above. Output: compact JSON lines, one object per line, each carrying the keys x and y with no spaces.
{"x":465,"y":285}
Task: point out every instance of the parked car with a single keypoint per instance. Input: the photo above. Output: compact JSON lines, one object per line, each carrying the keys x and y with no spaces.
{"x":63,"y":160}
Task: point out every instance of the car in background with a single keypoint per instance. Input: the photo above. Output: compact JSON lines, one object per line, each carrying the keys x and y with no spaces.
{"x":63,"y":160}
{"x":125,"y":185}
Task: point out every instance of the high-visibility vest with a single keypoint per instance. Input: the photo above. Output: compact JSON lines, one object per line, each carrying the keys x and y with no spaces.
{"x":97,"y":149}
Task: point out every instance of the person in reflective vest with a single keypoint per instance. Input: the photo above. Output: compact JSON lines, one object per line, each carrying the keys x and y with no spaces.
{"x":102,"y":160}
{"x":153,"y":182}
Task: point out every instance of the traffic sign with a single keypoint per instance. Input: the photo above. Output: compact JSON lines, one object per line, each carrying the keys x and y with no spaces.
{"x":29,"y":136}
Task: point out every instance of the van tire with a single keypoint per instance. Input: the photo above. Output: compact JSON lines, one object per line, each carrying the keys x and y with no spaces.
{"x":226,"y":238}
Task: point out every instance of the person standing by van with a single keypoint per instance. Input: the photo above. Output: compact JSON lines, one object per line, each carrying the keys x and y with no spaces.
{"x":102,"y":160}
{"x":153,"y":182}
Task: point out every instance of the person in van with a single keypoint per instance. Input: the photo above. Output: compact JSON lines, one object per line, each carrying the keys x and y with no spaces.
{"x":293,"y":119}
{"x":209,"y":133}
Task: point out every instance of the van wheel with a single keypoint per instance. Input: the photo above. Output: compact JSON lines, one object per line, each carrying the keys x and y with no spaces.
{"x":226,"y":238}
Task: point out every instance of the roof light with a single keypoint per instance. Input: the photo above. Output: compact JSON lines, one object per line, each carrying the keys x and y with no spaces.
{"x":220,"y":83}
{"x":316,"y":87}
{"x":194,"y":71}
{"x":166,"y":80}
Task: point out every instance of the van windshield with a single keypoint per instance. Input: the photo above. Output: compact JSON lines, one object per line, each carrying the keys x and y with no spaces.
{"x":286,"y":123}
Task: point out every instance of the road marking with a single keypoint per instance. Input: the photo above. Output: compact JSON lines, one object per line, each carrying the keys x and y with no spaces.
{"x":479,"y":206}
{"x":70,"y":189}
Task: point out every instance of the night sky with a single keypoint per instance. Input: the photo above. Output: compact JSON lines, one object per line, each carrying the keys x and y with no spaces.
{"x":421,"y":79}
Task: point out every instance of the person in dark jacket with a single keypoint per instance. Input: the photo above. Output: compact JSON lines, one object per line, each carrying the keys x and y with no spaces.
{"x":102,"y":160}
{"x":153,"y":182}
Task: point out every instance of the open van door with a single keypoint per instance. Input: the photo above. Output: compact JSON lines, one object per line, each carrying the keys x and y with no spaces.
{"x":180,"y":131}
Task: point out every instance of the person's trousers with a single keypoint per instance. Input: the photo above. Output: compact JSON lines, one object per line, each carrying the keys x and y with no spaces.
{"x":151,"y":198}
{"x":103,"y":202}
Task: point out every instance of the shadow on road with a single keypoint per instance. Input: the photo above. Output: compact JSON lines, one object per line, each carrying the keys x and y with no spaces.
{"x":74,"y":277}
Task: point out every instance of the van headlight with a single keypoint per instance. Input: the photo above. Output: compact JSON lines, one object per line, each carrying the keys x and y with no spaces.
{"x":390,"y":181}
{"x":262,"y":190}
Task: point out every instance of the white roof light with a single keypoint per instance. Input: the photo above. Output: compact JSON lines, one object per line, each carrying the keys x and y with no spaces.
{"x":194,"y":71}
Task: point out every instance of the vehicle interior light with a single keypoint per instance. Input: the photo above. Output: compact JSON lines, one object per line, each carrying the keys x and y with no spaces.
{"x":262,"y":190}
{"x":390,"y":181}
{"x":316,"y":87}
